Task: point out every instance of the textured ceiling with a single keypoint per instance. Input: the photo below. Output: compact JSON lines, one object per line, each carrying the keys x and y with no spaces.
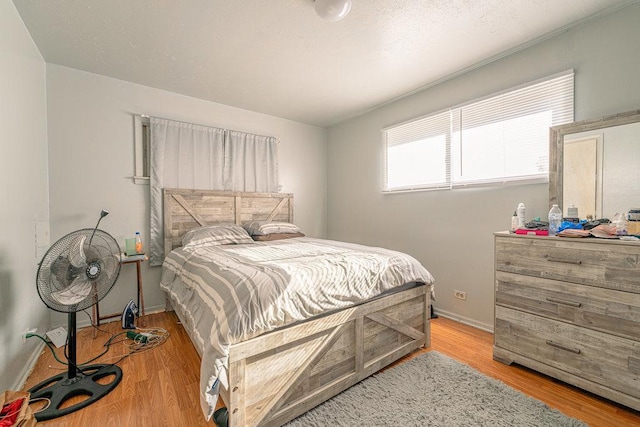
{"x":278,"y":57}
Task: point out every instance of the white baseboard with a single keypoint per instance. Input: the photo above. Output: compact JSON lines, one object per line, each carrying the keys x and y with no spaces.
{"x":155,"y":309}
{"x":84,"y":321}
{"x":28,"y":367}
{"x":465,"y":320}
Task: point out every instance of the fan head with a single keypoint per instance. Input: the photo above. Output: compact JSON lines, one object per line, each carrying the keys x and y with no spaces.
{"x":78,"y":270}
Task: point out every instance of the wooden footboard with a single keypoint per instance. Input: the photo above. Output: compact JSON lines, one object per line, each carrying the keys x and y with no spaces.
{"x":278,"y":376}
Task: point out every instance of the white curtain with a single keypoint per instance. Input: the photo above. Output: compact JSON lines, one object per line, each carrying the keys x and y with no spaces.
{"x":250,"y":164}
{"x":184,"y":155}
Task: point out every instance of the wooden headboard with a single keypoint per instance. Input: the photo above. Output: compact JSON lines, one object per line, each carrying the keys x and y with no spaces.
{"x":187,"y":209}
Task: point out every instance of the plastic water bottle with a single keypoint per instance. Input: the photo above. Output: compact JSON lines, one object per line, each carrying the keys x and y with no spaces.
{"x":521,"y":215}
{"x":138,"y":243}
{"x":555,"y":219}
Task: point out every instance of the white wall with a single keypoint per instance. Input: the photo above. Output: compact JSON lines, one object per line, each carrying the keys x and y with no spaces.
{"x":23,"y":193}
{"x":450,"y":232}
{"x":91,"y":128}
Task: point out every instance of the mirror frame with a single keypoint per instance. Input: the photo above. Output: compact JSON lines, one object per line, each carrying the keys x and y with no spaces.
{"x":556,"y":146}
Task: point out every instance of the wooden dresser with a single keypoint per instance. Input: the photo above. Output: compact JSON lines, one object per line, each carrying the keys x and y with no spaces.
{"x":570,"y":308}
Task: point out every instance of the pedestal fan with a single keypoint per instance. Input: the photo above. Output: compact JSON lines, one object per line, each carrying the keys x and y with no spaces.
{"x":75,"y":273}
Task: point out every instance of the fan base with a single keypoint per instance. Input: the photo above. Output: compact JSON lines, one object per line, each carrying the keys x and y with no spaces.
{"x":60,"y":388}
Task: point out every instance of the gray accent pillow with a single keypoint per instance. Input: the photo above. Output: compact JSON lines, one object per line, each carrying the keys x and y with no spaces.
{"x":221,"y":234}
{"x":263,"y":228}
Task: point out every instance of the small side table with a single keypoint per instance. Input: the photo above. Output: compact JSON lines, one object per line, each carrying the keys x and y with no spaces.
{"x":96,"y":307}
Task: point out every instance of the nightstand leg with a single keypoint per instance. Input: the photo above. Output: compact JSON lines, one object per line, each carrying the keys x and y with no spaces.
{"x":140,"y":293}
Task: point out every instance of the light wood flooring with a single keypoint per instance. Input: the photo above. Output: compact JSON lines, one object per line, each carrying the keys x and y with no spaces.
{"x":160,"y":386}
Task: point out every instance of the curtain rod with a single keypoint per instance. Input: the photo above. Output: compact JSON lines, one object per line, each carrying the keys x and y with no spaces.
{"x":146,"y":116}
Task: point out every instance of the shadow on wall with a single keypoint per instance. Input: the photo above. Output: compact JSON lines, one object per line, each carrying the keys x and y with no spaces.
{"x":73,"y":222}
{"x":7,"y":313}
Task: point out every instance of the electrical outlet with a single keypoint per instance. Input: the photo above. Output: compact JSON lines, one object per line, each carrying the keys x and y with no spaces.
{"x":460,"y":295}
{"x":28,"y":331}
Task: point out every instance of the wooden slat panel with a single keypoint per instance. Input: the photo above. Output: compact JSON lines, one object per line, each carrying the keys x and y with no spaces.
{"x":342,"y":350}
{"x":280,"y":377}
{"x":396,"y":325}
{"x":237,"y":389}
{"x":602,"y":309}
{"x":185,"y":209}
{"x":359,"y":344}
{"x":238,"y":210}
{"x":291,"y":334}
{"x":338,"y":370}
{"x":272,"y":370}
{"x":276,"y":210}
{"x":304,"y":403}
{"x":592,"y":355}
{"x":613,"y":266}
{"x":300,"y":374}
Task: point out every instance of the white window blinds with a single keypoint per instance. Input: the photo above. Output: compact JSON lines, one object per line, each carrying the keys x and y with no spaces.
{"x":504,"y":137}
{"x":410,"y":144}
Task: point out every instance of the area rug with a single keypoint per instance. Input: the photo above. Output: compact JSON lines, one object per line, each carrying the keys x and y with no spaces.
{"x":432,"y":390}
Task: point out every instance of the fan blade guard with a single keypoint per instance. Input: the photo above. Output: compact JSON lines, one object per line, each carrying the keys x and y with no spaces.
{"x":77,"y":257}
{"x":75,"y":293}
{"x":77,"y":266}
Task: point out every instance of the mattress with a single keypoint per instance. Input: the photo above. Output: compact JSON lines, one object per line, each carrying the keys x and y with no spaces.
{"x":231,"y":293}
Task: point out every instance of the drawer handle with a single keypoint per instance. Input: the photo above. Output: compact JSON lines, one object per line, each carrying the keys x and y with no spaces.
{"x":563,"y":347}
{"x":563,"y":302}
{"x":565,"y":261}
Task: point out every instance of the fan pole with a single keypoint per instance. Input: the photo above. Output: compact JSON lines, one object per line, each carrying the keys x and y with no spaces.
{"x":71,"y":325}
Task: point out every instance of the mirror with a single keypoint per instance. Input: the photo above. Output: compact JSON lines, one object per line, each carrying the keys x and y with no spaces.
{"x":595,"y":165}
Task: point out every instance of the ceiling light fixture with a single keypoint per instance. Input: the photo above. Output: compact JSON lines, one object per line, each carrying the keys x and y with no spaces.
{"x":332,"y":10}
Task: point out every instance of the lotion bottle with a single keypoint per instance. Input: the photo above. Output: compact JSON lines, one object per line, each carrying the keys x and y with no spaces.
{"x":521,"y":215}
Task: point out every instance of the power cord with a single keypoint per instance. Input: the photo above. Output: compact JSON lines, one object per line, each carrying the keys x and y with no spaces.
{"x":94,"y":325}
{"x":142,"y":340}
{"x":47,"y":402}
{"x":78,"y":366}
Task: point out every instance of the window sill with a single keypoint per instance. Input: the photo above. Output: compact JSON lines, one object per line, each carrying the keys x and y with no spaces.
{"x":457,"y":186}
{"x":141,"y":180}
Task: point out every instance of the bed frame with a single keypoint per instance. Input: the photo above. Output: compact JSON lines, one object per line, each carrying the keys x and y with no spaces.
{"x":279,"y":375}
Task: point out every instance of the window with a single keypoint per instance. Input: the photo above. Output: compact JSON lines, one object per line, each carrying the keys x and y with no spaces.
{"x":142,"y":140}
{"x":502,"y":138}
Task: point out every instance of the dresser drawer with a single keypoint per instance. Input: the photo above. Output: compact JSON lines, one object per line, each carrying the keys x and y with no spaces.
{"x":613,"y":266}
{"x":598,"y":357}
{"x":606,"y":310}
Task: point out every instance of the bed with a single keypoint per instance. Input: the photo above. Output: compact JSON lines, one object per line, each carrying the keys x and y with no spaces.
{"x":273,"y":370}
